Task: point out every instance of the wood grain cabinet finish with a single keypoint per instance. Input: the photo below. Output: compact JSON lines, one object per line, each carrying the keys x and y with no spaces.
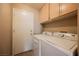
{"x":50,"y":11}
{"x":44,"y":13}
{"x":67,"y":8}
{"x":54,"y":10}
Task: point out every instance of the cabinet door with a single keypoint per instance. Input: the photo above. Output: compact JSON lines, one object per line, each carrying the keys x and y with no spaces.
{"x":44,"y":13}
{"x":54,"y":10}
{"x":67,"y":8}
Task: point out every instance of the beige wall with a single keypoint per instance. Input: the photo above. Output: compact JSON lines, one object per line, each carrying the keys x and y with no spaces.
{"x":67,"y":25}
{"x":5,"y":29}
{"x":23,"y":6}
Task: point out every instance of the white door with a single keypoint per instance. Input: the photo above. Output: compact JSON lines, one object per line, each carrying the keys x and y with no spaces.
{"x":22,"y":30}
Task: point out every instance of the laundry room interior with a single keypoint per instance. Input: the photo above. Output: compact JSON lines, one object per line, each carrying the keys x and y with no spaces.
{"x":39,"y":29}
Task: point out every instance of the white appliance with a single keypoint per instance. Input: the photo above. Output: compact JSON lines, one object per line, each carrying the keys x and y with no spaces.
{"x":57,"y":45}
{"x":36,"y":47}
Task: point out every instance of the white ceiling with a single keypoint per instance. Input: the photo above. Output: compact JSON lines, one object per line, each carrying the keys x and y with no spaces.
{"x":35,"y":5}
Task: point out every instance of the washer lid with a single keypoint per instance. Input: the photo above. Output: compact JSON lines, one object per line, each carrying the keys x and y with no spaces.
{"x":66,"y":44}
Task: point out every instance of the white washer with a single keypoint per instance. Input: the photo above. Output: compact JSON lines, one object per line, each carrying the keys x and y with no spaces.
{"x":63,"y":46}
{"x":66,"y":46}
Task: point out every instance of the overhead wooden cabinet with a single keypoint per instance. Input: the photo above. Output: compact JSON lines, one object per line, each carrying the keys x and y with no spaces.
{"x":54,"y":10}
{"x":67,"y":8}
{"x":44,"y":13}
